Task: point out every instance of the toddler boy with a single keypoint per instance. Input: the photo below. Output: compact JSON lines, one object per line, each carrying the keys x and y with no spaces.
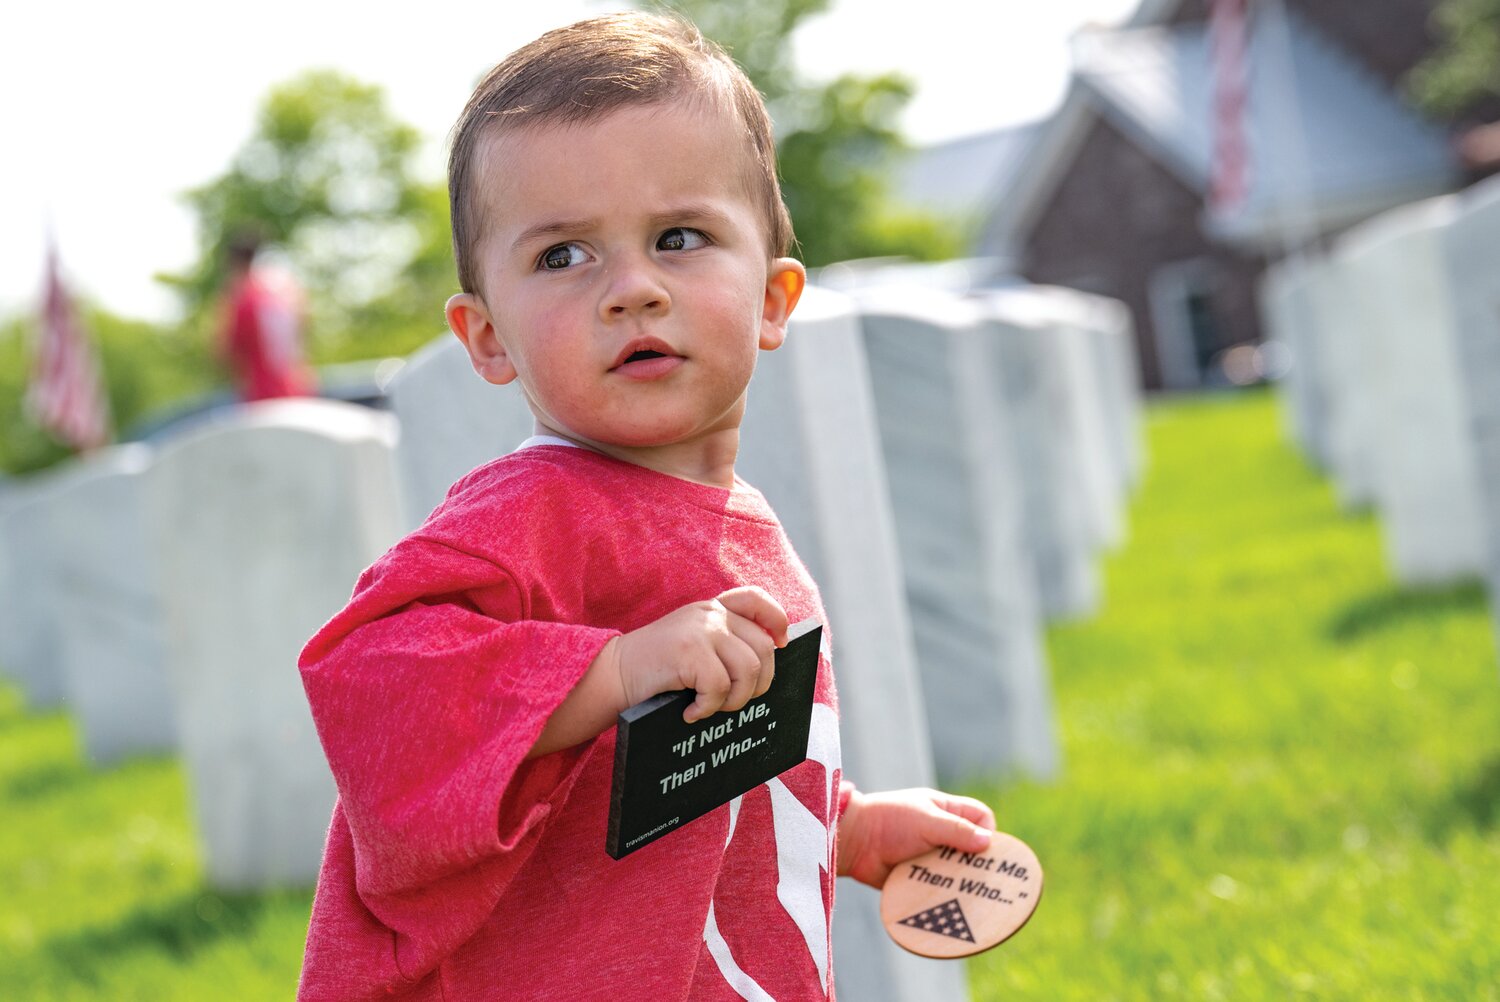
{"x":620,"y":240}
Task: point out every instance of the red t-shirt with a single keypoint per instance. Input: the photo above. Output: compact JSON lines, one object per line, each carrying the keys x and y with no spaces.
{"x":457,"y":870}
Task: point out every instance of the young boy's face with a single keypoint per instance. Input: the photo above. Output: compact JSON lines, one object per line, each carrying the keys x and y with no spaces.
{"x":624,"y":277}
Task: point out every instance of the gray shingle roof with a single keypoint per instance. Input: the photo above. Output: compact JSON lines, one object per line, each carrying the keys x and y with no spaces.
{"x":962,"y":176}
{"x":1329,"y":143}
{"x":1324,"y":134}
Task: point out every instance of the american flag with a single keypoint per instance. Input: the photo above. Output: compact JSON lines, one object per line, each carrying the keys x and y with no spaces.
{"x":66,"y":395}
{"x":1229,"y":168}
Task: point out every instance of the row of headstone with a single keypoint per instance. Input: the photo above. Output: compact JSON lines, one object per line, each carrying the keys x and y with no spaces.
{"x":809,"y":442}
{"x":950,"y":469}
{"x":161,"y":596}
{"x":1394,"y":336}
{"x":1471,"y":254}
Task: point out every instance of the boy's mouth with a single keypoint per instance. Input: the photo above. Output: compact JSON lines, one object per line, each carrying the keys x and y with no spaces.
{"x":643,"y":349}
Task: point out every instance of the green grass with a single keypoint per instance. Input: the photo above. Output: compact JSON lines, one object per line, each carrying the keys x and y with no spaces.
{"x":101,"y":888}
{"x":1282,"y":772}
{"x":1282,"y":781}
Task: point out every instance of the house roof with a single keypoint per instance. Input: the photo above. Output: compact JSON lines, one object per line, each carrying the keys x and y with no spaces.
{"x":963,"y":176}
{"x":1328,"y":142}
{"x":1152,"y":12}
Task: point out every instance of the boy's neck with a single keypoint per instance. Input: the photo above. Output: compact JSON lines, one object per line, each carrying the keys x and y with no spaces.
{"x":708,"y":460}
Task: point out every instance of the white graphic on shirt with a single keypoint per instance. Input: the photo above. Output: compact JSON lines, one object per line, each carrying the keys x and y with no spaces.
{"x":742,"y":983}
{"x":823,"y":747}
{"x":804,"y":851}
{"x":734,"y":816}
{"x":801,"y":857}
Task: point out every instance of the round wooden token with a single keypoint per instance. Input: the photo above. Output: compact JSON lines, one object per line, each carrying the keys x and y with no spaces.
{"x":947,"y":903}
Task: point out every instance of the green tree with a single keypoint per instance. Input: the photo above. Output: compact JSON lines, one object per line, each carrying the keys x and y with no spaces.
{"x":328,"y":177}
{"x":409,"y":311}
{"x":1464,"y":69}
{"x":836,"y":140}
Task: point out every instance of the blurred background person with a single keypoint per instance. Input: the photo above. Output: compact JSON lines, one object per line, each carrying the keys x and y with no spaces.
{"x":261,"y":338}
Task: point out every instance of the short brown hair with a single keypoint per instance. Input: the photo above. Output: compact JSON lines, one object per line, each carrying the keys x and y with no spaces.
{"x":587,"y":70}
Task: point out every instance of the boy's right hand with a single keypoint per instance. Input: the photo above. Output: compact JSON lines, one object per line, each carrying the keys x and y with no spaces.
{"x":723,"y":649}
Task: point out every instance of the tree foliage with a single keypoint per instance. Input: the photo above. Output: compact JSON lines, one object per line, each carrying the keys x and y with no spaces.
{"x":1464,"y":69}
{"x":328,"y":178}
{"x":836,"y":140}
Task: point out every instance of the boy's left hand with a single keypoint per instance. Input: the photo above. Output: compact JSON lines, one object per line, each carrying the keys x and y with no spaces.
{"x":880,"y":830}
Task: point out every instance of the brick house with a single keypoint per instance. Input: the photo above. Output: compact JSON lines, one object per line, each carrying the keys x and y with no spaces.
{"x":1109,"y":195}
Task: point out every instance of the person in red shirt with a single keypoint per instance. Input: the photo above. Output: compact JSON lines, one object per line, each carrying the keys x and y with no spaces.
{"x":620,"y":240}
{"x":261,"y":340}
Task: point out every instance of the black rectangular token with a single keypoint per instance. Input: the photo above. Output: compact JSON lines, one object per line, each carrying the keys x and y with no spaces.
{"x":668,"y":772}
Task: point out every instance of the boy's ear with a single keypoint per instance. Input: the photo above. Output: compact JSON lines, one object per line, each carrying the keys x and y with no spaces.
{"x":783,"y":288}
{"x":469,"y":320}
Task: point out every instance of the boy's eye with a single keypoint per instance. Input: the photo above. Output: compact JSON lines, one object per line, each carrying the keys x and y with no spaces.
{"x":681,"y":238}
{"x":562,"y":256}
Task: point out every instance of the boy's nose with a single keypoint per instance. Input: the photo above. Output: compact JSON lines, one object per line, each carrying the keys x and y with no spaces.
{"x":634,"y":287}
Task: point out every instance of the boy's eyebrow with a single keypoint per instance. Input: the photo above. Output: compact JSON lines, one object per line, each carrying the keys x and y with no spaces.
{"x":689,"y":212}
{"x":557,"y":227}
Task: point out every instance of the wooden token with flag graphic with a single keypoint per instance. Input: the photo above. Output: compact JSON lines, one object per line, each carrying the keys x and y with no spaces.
{"x":948,"y":904}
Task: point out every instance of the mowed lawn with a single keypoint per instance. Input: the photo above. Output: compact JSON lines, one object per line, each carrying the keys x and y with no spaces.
{"x":1282,"y":771}
{"x":101,"y":891}
{"x":1282,"y":780}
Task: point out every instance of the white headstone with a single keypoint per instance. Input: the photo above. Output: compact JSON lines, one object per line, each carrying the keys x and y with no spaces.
{"x":11,"y":648}
{"x":947,"y":437}
{"x":263,"y":519}
{"x":1426,"y":484}
{"x":1061,"y":499}
{"x":809,"y":443}
{"x":112,"y":647}
{"x":451,"y":422}
{"x":1286,"y":307}
{"x":1073,"y":362}
{"x":1108,"y":388}
{"x":1351,"y":370}
{"x":1471,"y":253}
{"x":31,"y":618}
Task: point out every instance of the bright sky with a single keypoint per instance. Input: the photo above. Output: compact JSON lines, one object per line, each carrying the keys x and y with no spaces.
{"x":108,"y":110}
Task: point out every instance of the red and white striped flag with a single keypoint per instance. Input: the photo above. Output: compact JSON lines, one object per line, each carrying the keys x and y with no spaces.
{"x":1229,"y":42}
{"x":66,"y":395}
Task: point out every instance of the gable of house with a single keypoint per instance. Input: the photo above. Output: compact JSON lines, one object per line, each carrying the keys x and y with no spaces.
{"x":1110,"y":196}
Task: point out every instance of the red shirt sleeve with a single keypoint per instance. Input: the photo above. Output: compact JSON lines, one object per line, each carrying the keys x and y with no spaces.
{"x":428,"y":690}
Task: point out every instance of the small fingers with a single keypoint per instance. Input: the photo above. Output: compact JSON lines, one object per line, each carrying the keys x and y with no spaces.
{"x":742,"y":663}
{"x":759,"y":607}
{"x":973,"y":810}
{"x":764,"y":648}
{"x":746,"y":627}
{"x":727,"y":677}
{"x":713,"y":687}
{"x":962,"y":823}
